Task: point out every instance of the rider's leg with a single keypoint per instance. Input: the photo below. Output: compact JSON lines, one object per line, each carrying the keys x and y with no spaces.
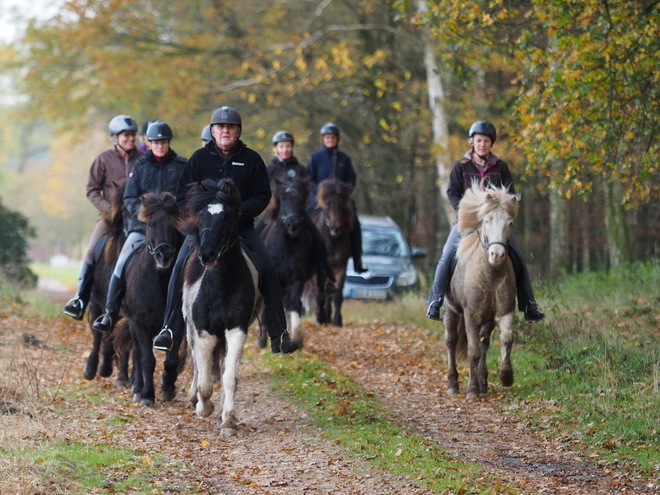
{"x":526,"y":302}
{"x":443,"y":274}
{"x":106,"y":322}
{"x":272,"y":294}
{"x":77,"y":305}
{"x":356,"y":244}
{"x":173,"y":319}
{"x":323,"y":271}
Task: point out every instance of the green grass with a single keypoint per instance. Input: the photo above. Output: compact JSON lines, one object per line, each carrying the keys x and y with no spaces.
{"x":357,"y":422}
{"x":68,"y":275}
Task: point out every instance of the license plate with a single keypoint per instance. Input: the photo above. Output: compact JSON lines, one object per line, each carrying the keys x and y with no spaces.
{"x":371,"y":293}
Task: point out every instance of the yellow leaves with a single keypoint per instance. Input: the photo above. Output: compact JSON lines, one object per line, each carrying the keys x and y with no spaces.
{"x":383,"y":123}
{"x":396,"y":106}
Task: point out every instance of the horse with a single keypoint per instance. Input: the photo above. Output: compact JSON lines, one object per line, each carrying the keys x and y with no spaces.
{"x":334,"y":218}
{"x":482,"y":292}
{"x":290,"y":245}
{"x":147,"y":275}
{"x":220,"y":295}
{"x":105,"y":255}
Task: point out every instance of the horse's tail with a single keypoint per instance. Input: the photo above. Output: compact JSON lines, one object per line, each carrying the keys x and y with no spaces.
{"x":122,"y":339}
{"x":462,"y":344}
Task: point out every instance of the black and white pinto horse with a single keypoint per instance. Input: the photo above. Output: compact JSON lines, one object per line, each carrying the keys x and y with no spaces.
{"x":290,"y":245}
{"x":147,"y":275}
{"x":220,"y":295}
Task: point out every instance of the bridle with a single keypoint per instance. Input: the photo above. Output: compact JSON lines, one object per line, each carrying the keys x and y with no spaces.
{"x":486,"y":244}
{"x":153,"y":250}
{"x":226,"y":244}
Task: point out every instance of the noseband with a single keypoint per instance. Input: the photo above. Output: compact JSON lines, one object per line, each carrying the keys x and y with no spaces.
{"x":486,"y":244}
{"x":153,"y":250}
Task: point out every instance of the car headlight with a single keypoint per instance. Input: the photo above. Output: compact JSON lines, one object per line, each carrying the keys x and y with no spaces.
{"x":407,"y":278}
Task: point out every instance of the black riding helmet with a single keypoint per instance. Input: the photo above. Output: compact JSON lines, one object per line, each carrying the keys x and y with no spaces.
{"x":159,"y":130}
{"x":330,"y":128}
{"x":226,"y":115}
{"x":280,"y":136}
{"x":485,"y":128}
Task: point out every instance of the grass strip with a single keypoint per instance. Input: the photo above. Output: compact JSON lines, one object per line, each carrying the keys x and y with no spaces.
{"x":356,"y":421}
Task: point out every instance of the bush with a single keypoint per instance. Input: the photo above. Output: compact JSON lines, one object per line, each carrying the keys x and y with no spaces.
{"x":15,"y":231}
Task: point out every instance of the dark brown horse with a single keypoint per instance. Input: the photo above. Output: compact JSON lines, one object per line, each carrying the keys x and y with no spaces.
{"x":147,"y":276}
{"x":334,"y":218}
{"x":290,"y":245}
{"x":482,"y":292}
{"x":105,"y":256}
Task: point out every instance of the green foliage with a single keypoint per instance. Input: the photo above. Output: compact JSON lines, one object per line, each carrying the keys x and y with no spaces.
{"x":14,"y":234}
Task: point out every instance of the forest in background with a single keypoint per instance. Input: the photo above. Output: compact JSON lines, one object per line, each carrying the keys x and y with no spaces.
{"x":571,"y":86}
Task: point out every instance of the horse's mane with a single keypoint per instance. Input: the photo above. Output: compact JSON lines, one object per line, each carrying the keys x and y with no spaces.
{"x":283,"y":186}
{"x":114,"y":220}
{"x":157,"y":201}
{"x":330,"y":188}
{"x":201,"y":194}
{"x":474,"y":206}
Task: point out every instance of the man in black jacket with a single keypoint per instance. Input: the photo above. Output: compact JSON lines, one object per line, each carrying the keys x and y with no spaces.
{"x":228,"y":157}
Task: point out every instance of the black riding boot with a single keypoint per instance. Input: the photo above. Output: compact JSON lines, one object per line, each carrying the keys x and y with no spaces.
{"x":75,"y":308}
{"x":356,"y":247}
{"x":106,"y":322}
{"x":526,"y":303}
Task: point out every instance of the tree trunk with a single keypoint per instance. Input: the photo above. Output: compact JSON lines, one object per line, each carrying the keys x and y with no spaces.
{"x":559,"y":253}
{"x":615,"y":223}
{"x":440,"y":128}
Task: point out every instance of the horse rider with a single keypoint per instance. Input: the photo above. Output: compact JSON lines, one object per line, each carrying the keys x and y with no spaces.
{"x":284,"y":164}
{"x":206,"y":135}
{"x":157,"y":171}
{"x":330,"y":163}
{"x":226,"y":156}
{"x":144,"y":146}
{"x":480,"y":164}
{"x":110,"y":166}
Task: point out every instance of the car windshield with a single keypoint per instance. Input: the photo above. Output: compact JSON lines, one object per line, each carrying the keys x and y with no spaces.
{"x":383,"y":242}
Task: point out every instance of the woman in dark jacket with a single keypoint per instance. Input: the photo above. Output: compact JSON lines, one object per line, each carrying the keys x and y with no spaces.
{"x":481,"y":166}
{"x":158,"y":170}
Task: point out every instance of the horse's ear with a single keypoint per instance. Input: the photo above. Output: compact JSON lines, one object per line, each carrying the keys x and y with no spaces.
{"x":226,"y":187}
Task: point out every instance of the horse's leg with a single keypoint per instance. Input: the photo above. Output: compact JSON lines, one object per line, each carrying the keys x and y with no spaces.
{"x":338,"y":300}
{"x":192,"y":391}
{"x":235,"y":340}
{"x":262,"y":338}
{"x":484,"y":343}
{"x":321,"y":309}
{"x":93,"y":360}
{"x":171,"y":371}
{"x":122,"y":375}
{"x":138,"y":376}
{"x":148,"y":362}
{"x":506,"y":343}
{"x":108,"y":356}
{"x":474,"y":356}
{"x":451,"y":321}
{"x":203,"y":355}
{"x":295,"y":312}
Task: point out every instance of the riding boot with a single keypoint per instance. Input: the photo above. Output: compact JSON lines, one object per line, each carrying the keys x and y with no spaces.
{"x":526,"y":303}
{"x":356,"y":247}
{"x":75,"y":308}
{"x":434,"y":309}
{"x":173,"y":319}
{"x":106,"y":322}
{"x":443,"y":273}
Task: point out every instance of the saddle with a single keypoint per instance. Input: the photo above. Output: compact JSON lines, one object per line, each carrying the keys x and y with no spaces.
{"x":256,"y":259}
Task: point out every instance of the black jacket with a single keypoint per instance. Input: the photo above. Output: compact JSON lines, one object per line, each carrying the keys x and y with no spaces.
{"x":496,"y":174}
{"x":150,"y":175}
{"x":243,"y":165}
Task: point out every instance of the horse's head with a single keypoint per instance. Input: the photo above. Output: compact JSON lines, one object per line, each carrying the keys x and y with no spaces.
{"x":490,"y":213}
{"x":160,"y":214}
{"x":334,"y":197}
{"x":217,"y":213}
{"x":292,"y":196}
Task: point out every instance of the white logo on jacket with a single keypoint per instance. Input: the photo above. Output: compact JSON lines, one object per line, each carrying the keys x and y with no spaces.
{"x":238,"y":164}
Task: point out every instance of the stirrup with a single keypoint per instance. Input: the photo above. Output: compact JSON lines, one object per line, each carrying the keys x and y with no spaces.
{"x":75,"y":308}
{"x":103,"y":323}
{"x":434,"y":310}
{"x":163,"y":341}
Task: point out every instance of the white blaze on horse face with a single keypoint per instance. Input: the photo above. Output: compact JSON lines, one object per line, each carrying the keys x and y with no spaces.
{"x":215,"y":208}
{"x":496,"y":232}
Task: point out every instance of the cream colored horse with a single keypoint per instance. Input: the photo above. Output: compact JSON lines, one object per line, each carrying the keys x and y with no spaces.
{"x":482,"y":292}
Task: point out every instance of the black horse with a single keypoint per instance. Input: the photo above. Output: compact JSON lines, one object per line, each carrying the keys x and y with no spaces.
{"x":105,"y":256}
{"x":147,"y":276}
{"x":220,"y":295}
{"x":290,"y":245}
{"x":334,"y":218}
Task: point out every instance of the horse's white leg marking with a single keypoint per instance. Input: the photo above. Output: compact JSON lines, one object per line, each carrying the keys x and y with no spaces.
{"x":506,"y":343}
{"x":295,"y":328}
{"x":189,"y":295}
{"x":235,"y":342}
{"x":203,"y":355}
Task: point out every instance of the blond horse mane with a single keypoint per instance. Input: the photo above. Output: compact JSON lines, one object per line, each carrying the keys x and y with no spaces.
{"x":472,"y":209}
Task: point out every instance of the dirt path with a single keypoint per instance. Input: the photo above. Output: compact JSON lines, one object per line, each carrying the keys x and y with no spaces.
{"x":276,"y":450}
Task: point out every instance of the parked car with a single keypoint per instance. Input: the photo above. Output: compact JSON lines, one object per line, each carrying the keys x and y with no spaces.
{"x":388,"y":258}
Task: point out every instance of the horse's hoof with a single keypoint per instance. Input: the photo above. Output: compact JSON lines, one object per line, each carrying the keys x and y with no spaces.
{"x":168,"y":395}
{"x":262,"y":342}
{"x":203,"y":409}
{"x":472,"y":396}
{"x":137,"y":398}
{"x":146,"y":403}
{"x":89,"y":374}
{"x":506,"y":378}
{"x":104,"y":371}
{"x":121,"y":383}
{"x":452,"y":390}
